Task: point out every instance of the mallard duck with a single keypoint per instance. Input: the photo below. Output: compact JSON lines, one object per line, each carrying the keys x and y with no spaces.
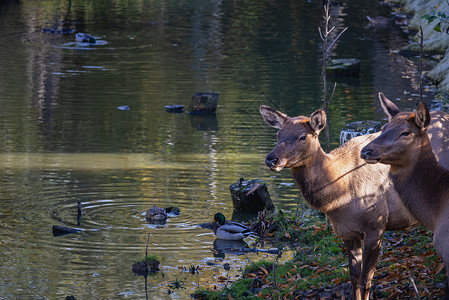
{"x":156,"y":215}
{"x":229,"y":230}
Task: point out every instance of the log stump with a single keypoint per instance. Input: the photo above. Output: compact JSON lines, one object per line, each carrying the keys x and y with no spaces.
{"x":203,"y":103}
{"x":250,"y":196}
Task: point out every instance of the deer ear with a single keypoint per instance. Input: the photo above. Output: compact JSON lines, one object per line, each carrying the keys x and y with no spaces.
{"x":318,"y":120}
{"x":273,"y":117}
{"x":422,"y":118}
{"x":390,"y":109}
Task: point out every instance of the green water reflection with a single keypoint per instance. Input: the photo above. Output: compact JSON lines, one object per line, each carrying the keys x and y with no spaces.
{"x":63,"y":140}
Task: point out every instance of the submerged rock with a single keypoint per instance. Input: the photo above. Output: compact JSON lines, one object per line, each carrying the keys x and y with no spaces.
{"x":343,"y":67}
{"x":354,"y":129}
{"x":177,"y":108}
{"x":62,"y":230}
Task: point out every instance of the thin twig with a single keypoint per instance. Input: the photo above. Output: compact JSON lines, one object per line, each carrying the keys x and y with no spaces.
{"x":415,"y":289}
{"x":146,"y":250}
{"x":328,"y":49}
{"x":319,"y":31}
{"x":333,"y":91}
{"x":421,"y":46}
{"x":324,"y":74}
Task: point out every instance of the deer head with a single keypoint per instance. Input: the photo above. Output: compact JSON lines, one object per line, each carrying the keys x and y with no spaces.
{"x":297,"y":138}
{"x":399,"y":138}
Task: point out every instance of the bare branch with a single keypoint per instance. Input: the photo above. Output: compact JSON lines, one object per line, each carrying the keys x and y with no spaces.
{"x":146,"y":249}
{"x":319,"y":30}
{"x":415,"y":289}
{"x":338,"y":36}
{"x":332,"y":95}
{"x":421,"y":46}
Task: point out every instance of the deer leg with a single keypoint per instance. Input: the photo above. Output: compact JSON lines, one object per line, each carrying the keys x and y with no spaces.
{"x":371,"y":252}
{"x":354,"y":249}
{"x":441,"y":243}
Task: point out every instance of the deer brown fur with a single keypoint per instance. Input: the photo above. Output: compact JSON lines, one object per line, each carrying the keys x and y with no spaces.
{"x":357,"y":197}
{"x":438,"y":130}
{"x":422,"y":183}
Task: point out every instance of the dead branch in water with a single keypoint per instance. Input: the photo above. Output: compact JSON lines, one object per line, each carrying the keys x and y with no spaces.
{"x":326,"y":49}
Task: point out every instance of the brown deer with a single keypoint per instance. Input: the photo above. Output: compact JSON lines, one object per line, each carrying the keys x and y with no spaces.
{"x":438,"y":130}
{"x":357,"y":197}
{"x":422,"y":183}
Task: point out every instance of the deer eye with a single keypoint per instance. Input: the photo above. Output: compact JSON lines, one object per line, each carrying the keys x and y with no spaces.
{"x":405,"y":133}
{"x":302,"y":138}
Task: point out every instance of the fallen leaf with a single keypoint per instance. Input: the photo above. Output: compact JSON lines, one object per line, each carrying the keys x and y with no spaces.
{"x":337,"y":281}
{"x":264,"y":270}
{"x":439,"y":268}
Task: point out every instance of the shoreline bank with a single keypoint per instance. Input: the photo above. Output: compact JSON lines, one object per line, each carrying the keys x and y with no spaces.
{"x":434,"y":41}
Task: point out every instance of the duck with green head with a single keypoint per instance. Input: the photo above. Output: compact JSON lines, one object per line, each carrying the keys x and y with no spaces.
{"x":229,"y":230}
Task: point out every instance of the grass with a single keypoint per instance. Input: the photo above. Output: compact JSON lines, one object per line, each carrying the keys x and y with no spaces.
{"x":319,"y":268}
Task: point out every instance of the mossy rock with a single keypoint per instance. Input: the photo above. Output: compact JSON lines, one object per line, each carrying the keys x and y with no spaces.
{"x":150,"y":265}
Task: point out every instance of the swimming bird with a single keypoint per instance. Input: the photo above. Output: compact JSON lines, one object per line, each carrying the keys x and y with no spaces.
{"x":84,"y":38}
{"x":229,"y":230}
{"x":156,"y":215}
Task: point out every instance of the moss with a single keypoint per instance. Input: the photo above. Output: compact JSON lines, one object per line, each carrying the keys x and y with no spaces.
{"x":239,"y":290}
{"x":146,"y":266}
{"x":319,"y":268}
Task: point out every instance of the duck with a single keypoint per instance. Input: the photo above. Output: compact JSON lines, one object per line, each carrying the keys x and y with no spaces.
{"x":156,"y":215}
{"x":84,"y":38}
{"x":229,"y":230}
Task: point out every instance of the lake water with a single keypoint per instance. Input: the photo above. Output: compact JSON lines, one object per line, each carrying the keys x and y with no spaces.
{"x":63,"y":138}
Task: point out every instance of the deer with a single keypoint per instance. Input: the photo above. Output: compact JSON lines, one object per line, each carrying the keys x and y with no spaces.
{"x":438,"y":130}
{"x":358,"y":198}
{"x":417,"y":173}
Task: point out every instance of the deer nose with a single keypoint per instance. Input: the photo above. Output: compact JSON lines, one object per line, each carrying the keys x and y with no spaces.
{"x":366,"y":153}
{"x":271,"y":161}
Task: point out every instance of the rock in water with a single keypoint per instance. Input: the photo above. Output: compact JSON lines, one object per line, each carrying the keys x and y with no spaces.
{"x":343,"y":67}
{"x":354,"y":129}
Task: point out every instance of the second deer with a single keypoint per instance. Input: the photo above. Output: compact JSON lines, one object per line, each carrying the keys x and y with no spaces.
{"x":422,"y":183}
{"x":357,"y":197}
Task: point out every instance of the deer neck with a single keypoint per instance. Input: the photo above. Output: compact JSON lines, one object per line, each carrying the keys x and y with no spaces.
{"x":318,"y":180}
{"x":421,"y":184}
